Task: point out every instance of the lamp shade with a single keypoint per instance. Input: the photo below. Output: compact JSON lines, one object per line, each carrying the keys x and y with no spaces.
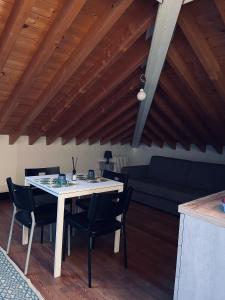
{"x":108,"y":154}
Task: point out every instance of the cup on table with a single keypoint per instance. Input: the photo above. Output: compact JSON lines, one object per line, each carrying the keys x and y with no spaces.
{"x":62,"y":179}
{"x":91,"y":174}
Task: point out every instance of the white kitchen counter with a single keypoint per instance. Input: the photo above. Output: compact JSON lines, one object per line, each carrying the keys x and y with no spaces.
{"x":200,"y":270}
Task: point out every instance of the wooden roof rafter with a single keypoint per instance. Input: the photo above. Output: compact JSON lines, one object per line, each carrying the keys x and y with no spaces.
{"x":61,"y":23}
{"x":93,"y":37}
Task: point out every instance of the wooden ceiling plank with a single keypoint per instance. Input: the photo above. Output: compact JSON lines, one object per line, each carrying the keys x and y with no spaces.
{"x":203,"y":51}
{"x":187,"y":110}
{"x":82,"y":131}
{"x":106,"y":138}
{"x":128,"y":68}
{"x":169,"y":130}
{"x":112,"y":127}
{"x":154,"y":138}
{"x":220,"y":4}
{"x":157,"y":130}
{"x":166,"y":20}
{"x":94,"y":132}
{"x":84,"y":49}
{"x":145,"y":140}
{"x":135,"y":28}
{"x":178,"y":122}
{"x":52,"y":38}
{"x":121,"y":136}
{"x":18,"y":15}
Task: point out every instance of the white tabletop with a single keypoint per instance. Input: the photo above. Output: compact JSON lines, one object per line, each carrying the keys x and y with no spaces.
{"x":77,"y":188}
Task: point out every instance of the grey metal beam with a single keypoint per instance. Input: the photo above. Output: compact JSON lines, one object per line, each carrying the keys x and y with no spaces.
{"x":165,"y":24}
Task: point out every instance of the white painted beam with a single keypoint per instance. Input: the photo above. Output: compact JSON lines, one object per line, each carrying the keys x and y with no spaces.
{"x":165,"y":24}
{"x":184,"y":1}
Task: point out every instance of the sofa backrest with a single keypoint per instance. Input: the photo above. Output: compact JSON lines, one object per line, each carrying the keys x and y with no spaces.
{"x":169,"y":169}
{"x":207,"y":176}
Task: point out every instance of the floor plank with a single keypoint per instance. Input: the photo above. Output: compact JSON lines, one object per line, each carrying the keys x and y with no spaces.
{"x":152,"y":245}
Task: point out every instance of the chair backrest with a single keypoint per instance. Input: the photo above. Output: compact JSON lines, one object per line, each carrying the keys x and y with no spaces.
{"x":10,"y":188}
{"x":116,"y":176}
{"x":103,"y":206}
{"x":21,"y":196}
{"x":46,"y":171}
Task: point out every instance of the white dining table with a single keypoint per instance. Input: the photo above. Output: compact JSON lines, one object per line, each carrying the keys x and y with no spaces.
{"x":76,"y":189}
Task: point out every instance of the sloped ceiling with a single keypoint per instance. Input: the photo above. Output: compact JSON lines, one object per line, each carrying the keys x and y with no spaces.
{"x":71,"y":69}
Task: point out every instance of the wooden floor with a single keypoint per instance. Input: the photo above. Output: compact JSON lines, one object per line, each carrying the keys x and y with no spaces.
{"x":152,"y":242}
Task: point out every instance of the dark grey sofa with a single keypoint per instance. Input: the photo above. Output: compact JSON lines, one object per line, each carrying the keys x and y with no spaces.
{"x":167,"y":182}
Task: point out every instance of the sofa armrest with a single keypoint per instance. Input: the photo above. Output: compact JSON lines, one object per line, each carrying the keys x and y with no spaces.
{"x":136,"y":171}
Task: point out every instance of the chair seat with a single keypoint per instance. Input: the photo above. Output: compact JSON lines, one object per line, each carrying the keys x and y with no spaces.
{"x":83,"y":203}
{"x":44,"y":214}
{"x":99,"y":228}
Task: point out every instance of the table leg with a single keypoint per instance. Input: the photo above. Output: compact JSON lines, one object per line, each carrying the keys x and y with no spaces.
{"x":117,"y":237}
{"x":59,"y":236}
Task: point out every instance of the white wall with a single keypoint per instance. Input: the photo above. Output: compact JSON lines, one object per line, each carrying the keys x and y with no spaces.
{"x":143,"y":154}
{"x":15,"y":158}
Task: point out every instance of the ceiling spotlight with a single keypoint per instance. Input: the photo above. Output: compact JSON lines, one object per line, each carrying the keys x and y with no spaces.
{"x":141,"y":95}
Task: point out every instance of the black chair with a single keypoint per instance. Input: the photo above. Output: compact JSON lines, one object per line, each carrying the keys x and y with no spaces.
{"x":84,"y":203}
{"x":99,"y":220}
{"x":42,"y":197}
{"x":27,"y":214}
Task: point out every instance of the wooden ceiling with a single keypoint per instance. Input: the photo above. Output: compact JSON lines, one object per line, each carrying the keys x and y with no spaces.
{"x":72,"y":69}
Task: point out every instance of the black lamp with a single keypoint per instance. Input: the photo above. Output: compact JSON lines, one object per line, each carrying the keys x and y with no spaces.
{"x":108,"y":155}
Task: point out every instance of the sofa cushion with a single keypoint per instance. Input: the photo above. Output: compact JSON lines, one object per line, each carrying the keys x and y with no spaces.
{"x":169,"y":169}
{"x":165,"y":190}
{"x":210,"y":177}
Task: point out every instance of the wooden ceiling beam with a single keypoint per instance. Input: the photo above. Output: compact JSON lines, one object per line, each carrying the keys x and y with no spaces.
{"x":122,"y":136}
{"x":18,"y":15}
{"x":52,"y":38}
{"x":118,"y":133}
{"x":178,"y":122}
{"x":153,"y":137}
{"x":77,"y":131}
{"x":166,"y":20}
{"x":113,"y":126}
{"x":94,"y":132}
{"x":102,"y":109}
{"x":145,"y":139}
{"x":157,"y":130}
{"x":184,"y":108}
{"x":133,"y":58}
{"x":169,"y":129}
{"x":220,"y":4}
{"x":79,"y":55}
{"x":140,"y":20}
{"x":202,"y":50}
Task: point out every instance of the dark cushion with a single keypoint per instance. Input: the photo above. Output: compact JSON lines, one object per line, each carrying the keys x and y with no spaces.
{"x":207,"y":176}
{"x":45,"y":214}
{"x":81,"y":222}
{"x":155,"y":202}
{"x":169,"y":169}
{"x":165,"y":190}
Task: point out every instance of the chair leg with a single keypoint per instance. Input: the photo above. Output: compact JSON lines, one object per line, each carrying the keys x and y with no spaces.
{"x":11,"y":229}
{"x":50,"y":233}
{"x":42,"y":234}
{"x":30,"y":243}
{"x":124,"y":245}
{"x":93,"y":243}
{"x":89,"y":260}
{"x":68,"y":239}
